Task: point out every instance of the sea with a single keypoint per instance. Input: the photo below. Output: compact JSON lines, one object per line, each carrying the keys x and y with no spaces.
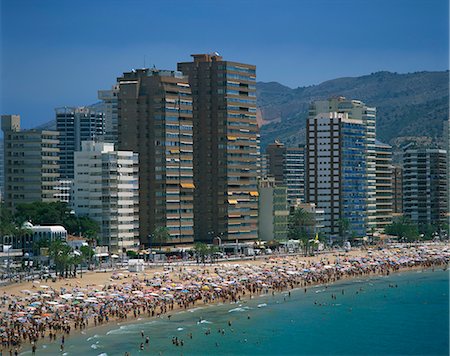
{"x":406,"y":313}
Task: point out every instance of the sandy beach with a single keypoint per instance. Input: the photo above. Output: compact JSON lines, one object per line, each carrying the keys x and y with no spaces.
{"x":32,"y":311}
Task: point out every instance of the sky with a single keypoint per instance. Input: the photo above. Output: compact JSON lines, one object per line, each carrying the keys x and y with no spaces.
{"x":60,"y":52}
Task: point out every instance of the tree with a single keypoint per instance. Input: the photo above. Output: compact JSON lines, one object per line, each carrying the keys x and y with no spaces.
{"x":344,"y":225}
{"x":7,"y":225}
{"x":40,"y":213}
{"x":212,"y":251}
{"x":41,"y":243}
{"x":56,"y":213}
{"x":201,"y":251}
{"x":87,"y":253}
{"x":60,"y":253}
{"x":403,"y":228}
{"x":301,"y":226}
{"x":161,"y":235}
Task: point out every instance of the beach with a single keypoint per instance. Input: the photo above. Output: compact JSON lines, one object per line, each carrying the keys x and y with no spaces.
{"x":36,"y":312}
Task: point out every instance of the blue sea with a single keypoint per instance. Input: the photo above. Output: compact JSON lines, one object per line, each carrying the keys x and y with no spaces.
{"x":401,"y":314}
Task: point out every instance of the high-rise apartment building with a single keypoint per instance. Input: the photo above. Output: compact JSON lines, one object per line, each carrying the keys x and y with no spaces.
{"x":155,"y":121}
{"x":357,"y":110}
{"x":397,"y":190}
{"x":337,"y":172}
{"x":384,"y":194}
{"x":106,"y":189}
{"x":294,"y":174}
{"x":76,"y":124}
{"x":226,"y":147}
{"x":447,"y":147}
{"x":2,"y":170}
{"x":31,"y":163}
{"x":276,"y":161}
{"x":108,"y":105}
{"x":273,"y":210}
{"x":425,"y":186}
{"x":287,"y":166}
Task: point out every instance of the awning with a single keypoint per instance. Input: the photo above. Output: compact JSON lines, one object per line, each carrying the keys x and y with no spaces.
{"x":232,"y":201}
{"x":232,"y":138}
{"x":187,"y":185}
{"x":103,"y":254}
{"x":254,"y":194}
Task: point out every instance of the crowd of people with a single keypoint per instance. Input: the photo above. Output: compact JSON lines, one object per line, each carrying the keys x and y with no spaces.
{"x":47,"y":312}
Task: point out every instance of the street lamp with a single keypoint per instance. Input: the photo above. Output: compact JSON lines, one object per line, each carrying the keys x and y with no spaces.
{"x":150,"y":237}
{"x":7,"y":247}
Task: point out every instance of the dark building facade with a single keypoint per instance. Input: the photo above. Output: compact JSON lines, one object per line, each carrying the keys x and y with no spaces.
{"x":425,"y":186}
{"x":397,"y":190}
{"x":155,"y":121}
{"x":226,"y":148}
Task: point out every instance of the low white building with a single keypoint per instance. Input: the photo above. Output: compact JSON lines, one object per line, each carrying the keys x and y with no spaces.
{"x":52,"y":233}
{"x":136,"y":265}
{"x":106,"y":189}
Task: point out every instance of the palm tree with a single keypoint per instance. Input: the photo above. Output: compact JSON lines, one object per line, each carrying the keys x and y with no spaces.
{"x":344,"y":225}
{"x":87,"y":253}
{"x":201,"y":250}
{"x":212,"y":250}
{"x":301,"y":226}
{"x":161,"y":235}
{"x":60,"y":252}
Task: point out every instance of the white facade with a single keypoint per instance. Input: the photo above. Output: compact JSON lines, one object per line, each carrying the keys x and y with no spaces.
{"x":106,"y":189}
{"x":52,"y":233}
{"x":64,"y":190}
{"x":447,"y":148}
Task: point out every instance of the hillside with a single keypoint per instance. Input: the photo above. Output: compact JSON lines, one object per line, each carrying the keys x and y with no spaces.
{"x":408,"y":105}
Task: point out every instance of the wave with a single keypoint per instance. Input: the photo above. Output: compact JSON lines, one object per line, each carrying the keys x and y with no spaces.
{"x":93,"y":337}
{"x":243,"y":309}
{"x":180,"y":329}
{"x":123,"y":330}
{"x":262,"y":305}
{"x":204,"y":322}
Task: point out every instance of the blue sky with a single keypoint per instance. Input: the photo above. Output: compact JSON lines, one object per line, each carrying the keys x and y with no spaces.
{"x":60,"y":52}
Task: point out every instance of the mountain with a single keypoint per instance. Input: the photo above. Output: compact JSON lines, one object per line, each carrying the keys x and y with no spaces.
{"x":409,"y":106}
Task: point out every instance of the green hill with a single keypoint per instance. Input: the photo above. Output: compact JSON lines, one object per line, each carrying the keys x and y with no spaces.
{"x":408,"y":105}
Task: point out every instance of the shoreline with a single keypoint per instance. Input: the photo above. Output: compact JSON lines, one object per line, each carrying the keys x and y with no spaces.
{"x":90,"y":331}
{"x":247,"y":290}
